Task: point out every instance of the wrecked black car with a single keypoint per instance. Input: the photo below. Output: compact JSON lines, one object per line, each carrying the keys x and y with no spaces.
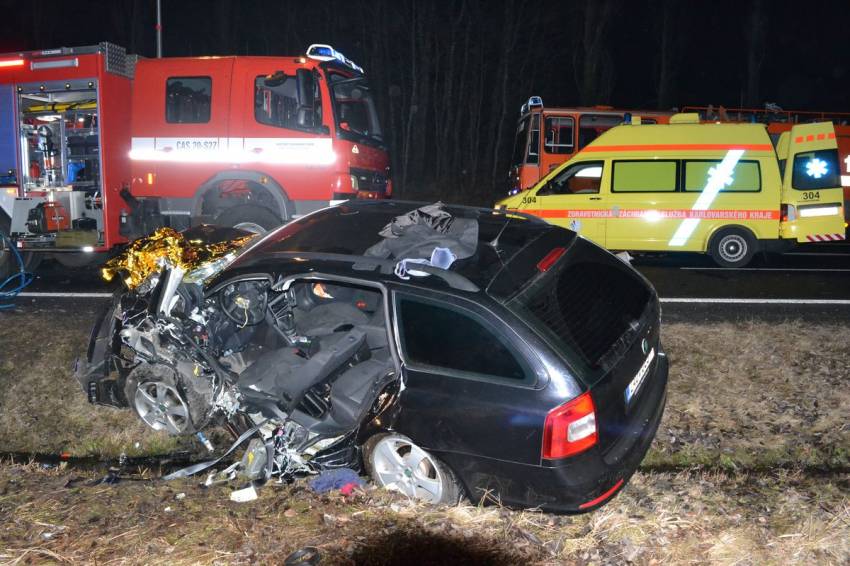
{"x":450,"y":351}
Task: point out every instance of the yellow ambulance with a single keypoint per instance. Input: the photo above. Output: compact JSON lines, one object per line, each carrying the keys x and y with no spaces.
{"x":721,"y":189}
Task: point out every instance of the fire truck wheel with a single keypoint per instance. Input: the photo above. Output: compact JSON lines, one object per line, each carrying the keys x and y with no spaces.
{"x":250,"y":217}
{"x":732,"y":247}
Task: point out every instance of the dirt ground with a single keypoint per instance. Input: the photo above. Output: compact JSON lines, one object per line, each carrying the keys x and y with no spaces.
{"x":751,"y":465}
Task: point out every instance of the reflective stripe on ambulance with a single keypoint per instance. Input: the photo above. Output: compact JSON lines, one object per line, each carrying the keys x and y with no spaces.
{"x":825,"y":237}
{"x":653,"y":214}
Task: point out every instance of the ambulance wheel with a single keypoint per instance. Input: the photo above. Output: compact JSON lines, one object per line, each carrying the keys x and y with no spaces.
{"x":249,"y":217}
{"x":732,"y":247}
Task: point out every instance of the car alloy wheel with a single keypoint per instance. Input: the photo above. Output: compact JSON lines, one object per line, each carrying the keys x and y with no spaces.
{"x":162,"y":407}
{"x":398,"y":464}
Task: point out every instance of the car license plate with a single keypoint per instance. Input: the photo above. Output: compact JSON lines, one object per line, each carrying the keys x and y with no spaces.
{"x":637,"y":380}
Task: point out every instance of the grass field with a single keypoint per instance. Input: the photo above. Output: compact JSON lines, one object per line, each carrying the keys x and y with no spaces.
{"x":750,"y":466}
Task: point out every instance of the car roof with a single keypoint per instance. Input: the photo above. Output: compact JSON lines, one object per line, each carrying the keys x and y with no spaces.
{"x":334,"y":240}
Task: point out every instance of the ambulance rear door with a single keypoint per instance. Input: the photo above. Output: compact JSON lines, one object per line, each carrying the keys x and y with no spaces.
{"x":812,"y":197}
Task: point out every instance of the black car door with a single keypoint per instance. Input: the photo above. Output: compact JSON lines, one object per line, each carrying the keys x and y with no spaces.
{"x":471,"y":384}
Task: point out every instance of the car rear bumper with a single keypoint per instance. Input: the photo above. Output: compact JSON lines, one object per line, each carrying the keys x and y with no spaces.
{"x":581,"y":483}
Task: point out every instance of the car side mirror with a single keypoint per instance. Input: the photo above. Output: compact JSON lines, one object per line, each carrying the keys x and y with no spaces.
{"x":305,"y":86}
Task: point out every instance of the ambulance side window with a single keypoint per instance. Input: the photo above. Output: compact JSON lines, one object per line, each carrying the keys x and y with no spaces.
{"x":745,"y":177}
{"x":580,"y":179}
{"x":651,"y":176}
{"x":187,"y":100}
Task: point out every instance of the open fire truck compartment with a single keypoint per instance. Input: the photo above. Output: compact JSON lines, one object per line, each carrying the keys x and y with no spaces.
{"x":58,"y":189}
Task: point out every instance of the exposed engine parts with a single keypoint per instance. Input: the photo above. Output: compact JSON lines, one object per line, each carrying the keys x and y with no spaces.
{"x":292,"y":369}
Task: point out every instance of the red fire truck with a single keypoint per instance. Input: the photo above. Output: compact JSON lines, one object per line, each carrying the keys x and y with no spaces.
{"x":98,"y":146}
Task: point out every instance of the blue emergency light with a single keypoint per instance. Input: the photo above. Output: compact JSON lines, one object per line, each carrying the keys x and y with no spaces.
{"x":533,"y":102}
{"x":323,"y":52}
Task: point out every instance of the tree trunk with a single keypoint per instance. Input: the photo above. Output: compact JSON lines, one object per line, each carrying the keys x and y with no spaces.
{"x":594,"y":70}
{"x":756,"y":34}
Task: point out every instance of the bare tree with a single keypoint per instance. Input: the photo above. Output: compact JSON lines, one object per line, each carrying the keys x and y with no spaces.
{"x":591,"y":61}
{"x":756,"y":34}
{"x":668,"y":49}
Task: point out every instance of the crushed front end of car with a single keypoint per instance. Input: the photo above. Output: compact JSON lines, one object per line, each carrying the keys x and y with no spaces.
{"x":252,"y":355}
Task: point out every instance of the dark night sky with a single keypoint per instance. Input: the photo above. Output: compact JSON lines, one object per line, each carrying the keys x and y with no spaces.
{"x":804,"y":64}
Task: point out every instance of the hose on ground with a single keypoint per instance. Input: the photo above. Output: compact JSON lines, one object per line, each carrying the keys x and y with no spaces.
{"x":15,"y":283}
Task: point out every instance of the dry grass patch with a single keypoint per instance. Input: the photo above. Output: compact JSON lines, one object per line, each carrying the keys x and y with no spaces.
{"x":44,"y":408}
{"x":685,"y":517}
{"x":756,"y":394}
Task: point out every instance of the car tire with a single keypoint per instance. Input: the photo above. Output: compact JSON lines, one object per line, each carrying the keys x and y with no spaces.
{"x":249,"y":217}
{"x":733,"y":247}
{"x":148,"y":389}
{"x":396,"y":463}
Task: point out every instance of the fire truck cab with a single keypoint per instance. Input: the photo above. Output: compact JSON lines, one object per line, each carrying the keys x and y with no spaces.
{"x":98,"y":146}
{"x":547,"y":137}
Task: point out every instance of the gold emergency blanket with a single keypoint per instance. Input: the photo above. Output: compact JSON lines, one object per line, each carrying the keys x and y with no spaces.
{"x":145,"y":256}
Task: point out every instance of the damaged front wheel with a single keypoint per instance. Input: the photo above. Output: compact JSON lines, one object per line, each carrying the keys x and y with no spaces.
{"x":158,"y":402}
{"x":396,"y":463}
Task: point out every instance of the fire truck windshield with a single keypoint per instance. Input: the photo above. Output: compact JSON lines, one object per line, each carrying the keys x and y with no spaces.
{"x":354,"y":109}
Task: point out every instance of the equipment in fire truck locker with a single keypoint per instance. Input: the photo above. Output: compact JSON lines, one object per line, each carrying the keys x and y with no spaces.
{"x":59,"y":131}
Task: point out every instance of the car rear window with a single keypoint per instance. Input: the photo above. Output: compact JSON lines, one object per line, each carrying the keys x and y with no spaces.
{"x":586,"y":307}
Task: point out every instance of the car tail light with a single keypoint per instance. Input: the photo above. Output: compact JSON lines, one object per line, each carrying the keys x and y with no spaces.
{"x":570,"y":428}
{"x":550,"y":259}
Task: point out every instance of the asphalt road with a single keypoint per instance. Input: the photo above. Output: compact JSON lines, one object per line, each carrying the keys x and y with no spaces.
{"x":813,"y":283}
